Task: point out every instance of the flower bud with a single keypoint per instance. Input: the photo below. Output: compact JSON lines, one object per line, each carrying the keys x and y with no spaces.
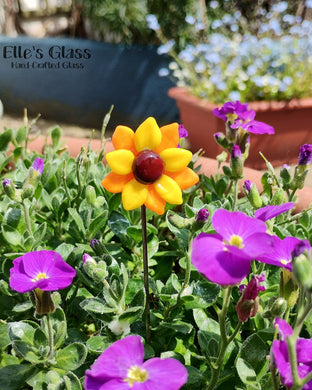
{"x":42,"y":301}
{"x":252,"y":194}
{"x":285,"y":174}
{"x":90,"y":195}
{"x":278,"y":307}
{"x":9,"y":188}
{"x":178,"y":221}
{"x":305,"y":154}
{"x":289,"y":289}
{"x":202,"y":215}
{"x":221,"y":140}
{"x":34,"y":174}
{"x":278,"y":197}
{"x":98,"y":247}
{"x":222,"y":157}
{"x":248,"y":304}
{"x":302,"y":264}
{"x":236,"y":162}
{"x":28,"y":191}
{"x":300,"y":175}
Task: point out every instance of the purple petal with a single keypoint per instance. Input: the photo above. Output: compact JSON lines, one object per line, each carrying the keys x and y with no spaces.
{"x":38,"y":165}
{"x":116,"y":360}
{"x":281,"y":359}
{"x":304,"y":350}
{"x":284,"y":329}
{"x":305,"y":154}
{"x":256,"y":127}
{"x":167,"y":374}
{"x":216,"y":264}
{"x":256,"y":245}
{"x":281,"y":254}
{"x":21,"y":282}
{"x":269,"y":212}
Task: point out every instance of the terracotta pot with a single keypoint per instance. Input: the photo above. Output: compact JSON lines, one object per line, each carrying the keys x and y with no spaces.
{"x":291,"y":121}
{"x":208,"y":166}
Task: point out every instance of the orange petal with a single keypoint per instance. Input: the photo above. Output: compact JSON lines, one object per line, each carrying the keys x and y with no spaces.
{"x":170,"y":137}
{"x":154,"y":202}
{"x":115,"y":183}
{"x":123,"y":138}
{"x":185,"y":178}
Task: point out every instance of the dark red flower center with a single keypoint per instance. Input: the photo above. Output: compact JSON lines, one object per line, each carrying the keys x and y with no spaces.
{"x":148,"y":167}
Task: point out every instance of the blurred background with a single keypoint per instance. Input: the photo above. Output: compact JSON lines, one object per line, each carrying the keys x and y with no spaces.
{"x":124,"y":66}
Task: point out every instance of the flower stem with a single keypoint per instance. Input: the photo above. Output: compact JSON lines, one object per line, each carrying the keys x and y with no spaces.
{"x":145,"y":271}
{"x":225,"y":340}
{"x":235,"y":194}
{"x":51,"y":337}
{"x":27,"y":218}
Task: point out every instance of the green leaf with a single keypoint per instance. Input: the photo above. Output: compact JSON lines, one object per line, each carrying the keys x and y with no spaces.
{"x":21,"y":135}
{"x":96,"y":305}
{"x":21,"y":331}
{"x":28,"y":352}
{"x":56,"y":133}
{"x":12,"y":236}
{"x":247,"y":374}
{"x":8,"y":360}
{"x":59,"y":326}
{"x":254,"y":351}
{"x":98,"y":223}
{"x":204,"y":295}
{"x":206,"y":323}
{"x":97,"y":344}
{"x":71,"y":357}
{"x":4,"y":337}
{"x":131,"y":314}
{"x":15,"y":376}
{"x":5,"y":138}
{"x":78,"y":220}
{"x":72,"y":382}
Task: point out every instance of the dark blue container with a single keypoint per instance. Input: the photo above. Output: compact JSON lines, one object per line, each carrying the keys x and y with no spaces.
{"x":76,"y":81}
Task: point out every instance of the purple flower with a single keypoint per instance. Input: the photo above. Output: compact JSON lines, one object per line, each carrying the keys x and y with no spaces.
{"x":43,"y":269}
{"x":301,"y":247}
{"x":282,"y":253}
{"x":231,"y":110}
{"x":281,"y":356}
{"x":6,"y":182}
{"x":87,"y":258}
{"x":247,"y":185}
{"x":248,"y":304}
{"x":236,"y":152}
{"x":38,"y":165}
{"x":269,"y":211}
{"x":202,"y":215}
{"x":254,"y":127}
{"x":121,"y":367}
{"x":183,"y":133}
{"x":305,"y":154}
{"x":224,"y":258}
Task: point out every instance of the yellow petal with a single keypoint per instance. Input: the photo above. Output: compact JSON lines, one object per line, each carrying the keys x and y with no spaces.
{"x":168,"y":189}
{"x":123,"y":138}
{"x":120,"y":161}
{"x":134,"y":194}
{"x":175,"y":159}
{"x":147,"y":135}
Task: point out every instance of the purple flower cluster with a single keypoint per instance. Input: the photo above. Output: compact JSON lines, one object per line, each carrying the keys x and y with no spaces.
{"x":240,"y":117}
{"x":225,"y":257}
{"x":305,"y":154}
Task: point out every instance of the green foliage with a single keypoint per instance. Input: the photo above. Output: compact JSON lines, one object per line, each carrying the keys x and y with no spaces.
{"x":67,"y":210}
